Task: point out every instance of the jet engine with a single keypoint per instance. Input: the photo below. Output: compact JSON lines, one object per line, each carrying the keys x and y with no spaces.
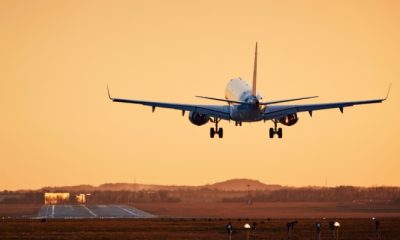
{"x":289,"y":120}
{"x":198,"y":118}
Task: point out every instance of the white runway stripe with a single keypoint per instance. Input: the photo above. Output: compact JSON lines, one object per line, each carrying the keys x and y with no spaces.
{"x":90,"y":211}
{"x":128,"y":211}
{"x":47,"y":211}
{"x":52,"y":211}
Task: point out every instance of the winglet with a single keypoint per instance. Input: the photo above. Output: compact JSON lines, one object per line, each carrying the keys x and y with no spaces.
{"x":387,"y":95}
{"x":109,"y":95}
{"x":254,"y":90}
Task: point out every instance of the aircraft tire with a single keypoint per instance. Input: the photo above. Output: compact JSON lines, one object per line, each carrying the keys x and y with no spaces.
{"x":280,"y":133}
{"x":271,"y":133}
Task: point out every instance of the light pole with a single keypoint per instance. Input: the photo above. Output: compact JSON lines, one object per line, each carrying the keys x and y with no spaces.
{"x":249,"y":201}
{"x":336,"y":225}
{"x":377,"y":223}
{"x":247,"y":228}
{"x":318,"y":225}
{"x":229,"y":229}
{"x":254,"y":226}
{"x":290,"y":226}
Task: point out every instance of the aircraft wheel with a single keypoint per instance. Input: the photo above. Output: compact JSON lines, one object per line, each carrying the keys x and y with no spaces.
{"x":221,"y":133}
{"x":212,"y":132}
{"x":271,"y":133}
{"x":280,"y":132}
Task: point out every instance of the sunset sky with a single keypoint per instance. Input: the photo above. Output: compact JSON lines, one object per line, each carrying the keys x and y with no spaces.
{"x":58,"y":127}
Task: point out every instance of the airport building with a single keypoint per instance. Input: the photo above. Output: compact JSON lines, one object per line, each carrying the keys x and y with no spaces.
{"x":81,"y":198}
{"x":56,"y":198}
{"x":64,"y":198}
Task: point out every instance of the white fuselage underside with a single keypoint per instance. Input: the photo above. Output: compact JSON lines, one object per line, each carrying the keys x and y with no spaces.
{"x":239,"y":90}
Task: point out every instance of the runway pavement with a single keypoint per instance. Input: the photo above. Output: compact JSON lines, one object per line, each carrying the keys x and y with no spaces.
{"x":91,"y":211}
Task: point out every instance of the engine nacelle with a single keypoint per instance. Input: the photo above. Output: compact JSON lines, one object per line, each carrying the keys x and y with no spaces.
{"x":198,"y":118}
{"x":289,"y":120}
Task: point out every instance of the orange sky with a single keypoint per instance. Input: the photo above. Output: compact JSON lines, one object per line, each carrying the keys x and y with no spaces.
{"x":58,"y":127}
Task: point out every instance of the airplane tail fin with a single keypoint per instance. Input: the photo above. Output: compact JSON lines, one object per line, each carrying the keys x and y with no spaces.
{"x":254,"y":90}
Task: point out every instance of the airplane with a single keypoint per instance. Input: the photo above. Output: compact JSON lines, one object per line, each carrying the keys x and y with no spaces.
{"x":244,"y":104}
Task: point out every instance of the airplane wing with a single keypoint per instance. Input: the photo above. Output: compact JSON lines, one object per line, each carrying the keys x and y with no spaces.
{"x":280,"y":111}
{"x":222,"y":112}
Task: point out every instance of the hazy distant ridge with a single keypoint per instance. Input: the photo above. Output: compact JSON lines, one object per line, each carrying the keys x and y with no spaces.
{"x":228,"y":185}
{"x":242,"y":185}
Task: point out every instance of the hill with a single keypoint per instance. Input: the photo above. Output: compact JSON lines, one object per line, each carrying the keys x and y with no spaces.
{"x":242,"y":185}
{"x":229,"y":185}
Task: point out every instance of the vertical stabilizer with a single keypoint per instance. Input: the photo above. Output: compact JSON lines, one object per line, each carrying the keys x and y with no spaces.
{"x":254,"y":90}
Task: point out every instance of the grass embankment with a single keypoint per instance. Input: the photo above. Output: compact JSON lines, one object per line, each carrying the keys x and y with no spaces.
{"x":194,"y":229}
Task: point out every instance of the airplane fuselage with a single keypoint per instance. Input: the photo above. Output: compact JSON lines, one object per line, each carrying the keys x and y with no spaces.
{"x":238,"y":90}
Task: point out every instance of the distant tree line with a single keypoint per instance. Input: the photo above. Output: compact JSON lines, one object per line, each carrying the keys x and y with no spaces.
{"x":335,"y":194}
{"x":111,"y":197}
{"x":204,"y":194}
{"x":96,"y":197}
{"x":9,"y":197}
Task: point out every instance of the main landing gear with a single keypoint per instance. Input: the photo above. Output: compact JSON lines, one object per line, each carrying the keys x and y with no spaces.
{"x":275,"y":130}
{"x":216,"y":130}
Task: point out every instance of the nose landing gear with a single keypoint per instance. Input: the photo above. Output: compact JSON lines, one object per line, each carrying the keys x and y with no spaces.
{"x":216,"y":130}
{"x":238,"y":123}
{"x":275,"y":130}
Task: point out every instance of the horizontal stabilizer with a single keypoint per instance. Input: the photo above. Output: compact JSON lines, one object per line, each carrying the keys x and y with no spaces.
{"x":286,"y":100}
{"x":261,"y":103}
{"x":223,"y":100}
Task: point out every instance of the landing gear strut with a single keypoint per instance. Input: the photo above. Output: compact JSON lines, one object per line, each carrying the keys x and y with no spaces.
{"x":216,"y":130}
{"x":275,"y":130}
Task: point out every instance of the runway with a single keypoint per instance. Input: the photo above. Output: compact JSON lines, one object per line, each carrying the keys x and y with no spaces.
{"x":91,"y":211}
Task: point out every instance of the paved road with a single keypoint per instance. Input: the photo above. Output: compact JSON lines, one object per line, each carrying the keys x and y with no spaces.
{"x":91,"y":211}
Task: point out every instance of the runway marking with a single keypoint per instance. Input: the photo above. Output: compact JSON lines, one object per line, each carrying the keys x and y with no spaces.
{"x":47,"y":211}
{"x":128,"y":211}
{"x":52,"y":211}
{"x":90,"y":211}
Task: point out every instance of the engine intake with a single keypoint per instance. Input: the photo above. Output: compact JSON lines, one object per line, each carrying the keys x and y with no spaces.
{"x":198,"y":118}
{"x":289,"y":120}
